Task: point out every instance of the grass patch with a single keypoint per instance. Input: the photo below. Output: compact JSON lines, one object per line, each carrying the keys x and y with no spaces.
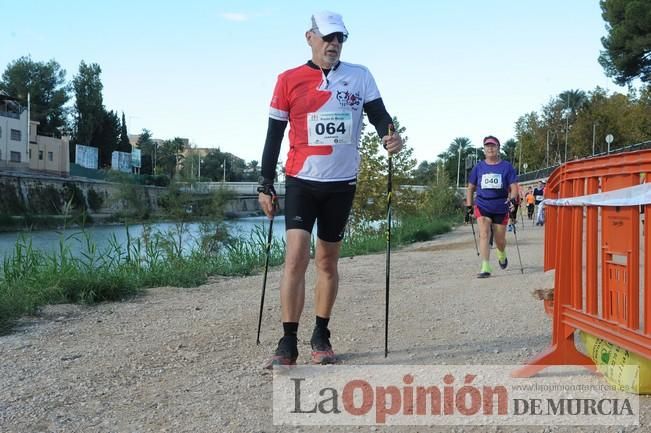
{"x":30,"y":278}
{"x":410,"y":229}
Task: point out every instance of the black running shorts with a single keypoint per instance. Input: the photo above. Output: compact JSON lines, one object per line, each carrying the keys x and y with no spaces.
{"x":327,"y":203}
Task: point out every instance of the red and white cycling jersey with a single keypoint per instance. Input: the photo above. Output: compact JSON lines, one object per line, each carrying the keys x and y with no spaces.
{"x":325,"y":119}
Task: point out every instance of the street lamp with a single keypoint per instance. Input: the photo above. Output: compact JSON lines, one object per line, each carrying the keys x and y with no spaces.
{"x":200,"y":162}
{"x":155,"y":149}
{"x":567,"y":123}
{"x":594,"y":135}
{"x":458,"y":167}
{"x":547,"y":151}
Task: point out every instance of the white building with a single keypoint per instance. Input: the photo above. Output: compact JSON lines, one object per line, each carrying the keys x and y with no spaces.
{"x":14,"y":148}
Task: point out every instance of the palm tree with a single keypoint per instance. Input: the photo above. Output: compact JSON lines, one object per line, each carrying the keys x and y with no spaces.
{"x":508,"y":150}
{"x":574,"y":101}
{"x":460,"y":145}
{"x":171,"y":155}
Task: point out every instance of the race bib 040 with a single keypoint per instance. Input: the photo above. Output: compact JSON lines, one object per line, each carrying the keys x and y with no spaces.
{"x":491,"y":181}
{"x":329,"y":129}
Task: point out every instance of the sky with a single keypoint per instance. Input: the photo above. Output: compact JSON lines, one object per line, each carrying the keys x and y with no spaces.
{"x":205,"y":70}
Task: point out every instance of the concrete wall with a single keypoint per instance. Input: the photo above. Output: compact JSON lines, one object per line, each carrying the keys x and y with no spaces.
{"x":28,"y":193}
{"x":247,"y":206}
{"x":47,"y":195}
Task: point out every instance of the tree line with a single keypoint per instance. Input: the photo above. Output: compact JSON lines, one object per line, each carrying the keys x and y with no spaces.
{"x":574,"y":123}
{"x":88,"y":122}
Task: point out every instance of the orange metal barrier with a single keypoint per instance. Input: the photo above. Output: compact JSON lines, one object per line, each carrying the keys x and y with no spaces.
{"x":605,"y":304}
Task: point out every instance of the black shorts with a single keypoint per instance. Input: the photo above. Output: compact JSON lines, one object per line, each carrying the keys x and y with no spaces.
{"x":327,"y":203}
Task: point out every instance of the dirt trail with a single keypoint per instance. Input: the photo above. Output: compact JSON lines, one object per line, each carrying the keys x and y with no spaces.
{"x":185,"y":360}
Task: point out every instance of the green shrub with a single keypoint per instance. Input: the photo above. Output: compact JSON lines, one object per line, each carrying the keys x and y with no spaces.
{"x":95,"y":200}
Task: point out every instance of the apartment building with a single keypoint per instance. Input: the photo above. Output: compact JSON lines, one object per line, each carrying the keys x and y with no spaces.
{"x":13,"y":134}
{"x":22,"y":149}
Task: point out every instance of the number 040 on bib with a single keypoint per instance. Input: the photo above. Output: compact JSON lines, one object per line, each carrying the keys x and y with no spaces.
{"x":491,"y":181}
{"x":329,"y":129}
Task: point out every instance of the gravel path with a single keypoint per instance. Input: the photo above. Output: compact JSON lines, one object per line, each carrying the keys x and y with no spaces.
{"x":185,"y":360}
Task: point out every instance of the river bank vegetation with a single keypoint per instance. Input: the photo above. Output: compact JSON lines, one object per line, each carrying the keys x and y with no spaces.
{"x":30,"y":278}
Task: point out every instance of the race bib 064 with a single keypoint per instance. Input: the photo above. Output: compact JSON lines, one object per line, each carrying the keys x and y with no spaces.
{"x":329,"y":129}
{"x":491,"y":181}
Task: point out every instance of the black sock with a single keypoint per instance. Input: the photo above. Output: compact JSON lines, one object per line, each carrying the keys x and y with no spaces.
{"x":322,"y":322}
{"x":290,"y":328}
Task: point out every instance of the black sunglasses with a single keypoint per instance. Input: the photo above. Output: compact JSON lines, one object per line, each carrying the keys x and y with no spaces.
{"x":341,"y":37}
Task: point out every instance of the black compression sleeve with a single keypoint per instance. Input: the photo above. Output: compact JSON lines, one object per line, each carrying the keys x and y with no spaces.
{"x":378,"y":116}
{"x":275,"y":132}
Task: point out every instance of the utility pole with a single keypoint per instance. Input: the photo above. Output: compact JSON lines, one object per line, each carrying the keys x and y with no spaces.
{"x":547,"y":152}
{"x":458,"y":166}
{"x":29,"y":125}
{"x":567,"y":123}
{"x":594,"y":134}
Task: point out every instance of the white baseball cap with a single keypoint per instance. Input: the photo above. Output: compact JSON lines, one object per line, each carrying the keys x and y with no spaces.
{"x":328,"y":22}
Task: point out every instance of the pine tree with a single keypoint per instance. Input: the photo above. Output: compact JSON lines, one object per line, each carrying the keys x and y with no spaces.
{"x":124,"y":145}
{"x":46,"y":84}
{"x":628,"y":44}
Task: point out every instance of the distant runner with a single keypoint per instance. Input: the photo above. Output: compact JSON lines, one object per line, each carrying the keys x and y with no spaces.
{"x":531,"y":203}
{"x":539,"y":195}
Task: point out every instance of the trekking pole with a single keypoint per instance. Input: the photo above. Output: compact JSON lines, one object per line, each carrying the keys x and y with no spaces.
{"x":388,"y":255}
{"x":518,"y":248}
{"x":472,"y":226}
{"x":490,"y":240}
{"x":266,"y":266}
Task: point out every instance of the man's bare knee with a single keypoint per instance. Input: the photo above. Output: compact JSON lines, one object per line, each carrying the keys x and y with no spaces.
{"x":327,"y":265}
{"x":297,"y":263}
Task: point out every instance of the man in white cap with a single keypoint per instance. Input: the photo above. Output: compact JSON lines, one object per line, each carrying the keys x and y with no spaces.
{"x":323,"y":100}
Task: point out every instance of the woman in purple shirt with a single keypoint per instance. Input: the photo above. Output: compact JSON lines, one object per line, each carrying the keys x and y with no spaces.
{"x":496,"y":184}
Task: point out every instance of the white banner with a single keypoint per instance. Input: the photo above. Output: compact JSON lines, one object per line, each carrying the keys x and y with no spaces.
{"x":135,"y":158}
{"x":121,"y":161}
{"x":86,"y":156}
{"x":630,"y":196}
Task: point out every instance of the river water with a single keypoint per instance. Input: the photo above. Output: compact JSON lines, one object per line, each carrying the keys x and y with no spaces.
{"x":102,"y":236}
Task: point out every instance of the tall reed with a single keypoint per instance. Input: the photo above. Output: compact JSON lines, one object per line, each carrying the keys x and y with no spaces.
{"x":30,"y":278}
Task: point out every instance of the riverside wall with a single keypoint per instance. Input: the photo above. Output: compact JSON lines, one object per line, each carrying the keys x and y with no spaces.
{"x":37,"y":194}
